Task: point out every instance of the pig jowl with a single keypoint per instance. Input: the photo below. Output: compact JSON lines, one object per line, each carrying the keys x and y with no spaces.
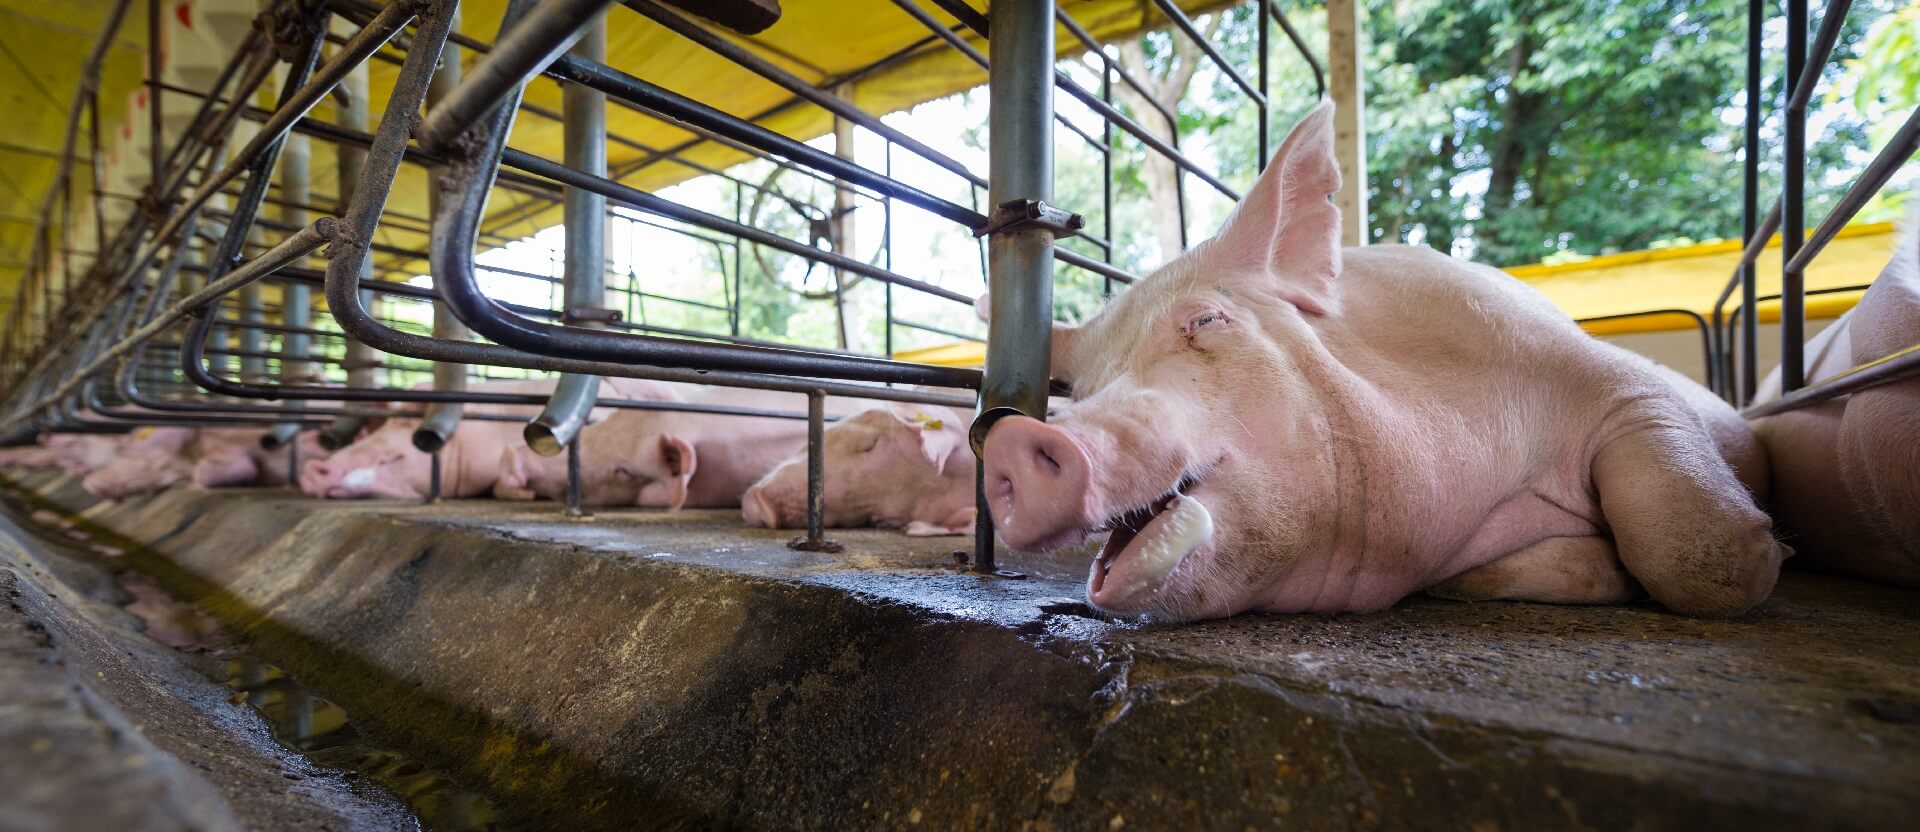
{"x":1271,"y":422}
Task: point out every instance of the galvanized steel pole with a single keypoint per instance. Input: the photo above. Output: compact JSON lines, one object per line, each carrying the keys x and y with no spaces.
{"x":442,"y":418}
{"x":584,"y":125}
{"x":1019,"y":254}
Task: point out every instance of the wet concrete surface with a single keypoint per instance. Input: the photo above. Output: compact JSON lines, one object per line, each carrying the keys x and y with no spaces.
{"x":642,"y":670}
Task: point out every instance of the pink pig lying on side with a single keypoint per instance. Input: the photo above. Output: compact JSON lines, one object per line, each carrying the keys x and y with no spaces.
{"x":83,"y":453}
{"x":158,"y":457}
{"x":894,"y":466}
{"x":30,"y":457}
{"x":1846,"y":472}
{"x":150,"y":458}
{"x":385,"y":464}
{"x":1271,"y":422}
{"x":667,"y":459}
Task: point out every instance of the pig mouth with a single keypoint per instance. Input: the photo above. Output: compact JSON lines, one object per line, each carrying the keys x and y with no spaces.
{"x":1148,"y":543}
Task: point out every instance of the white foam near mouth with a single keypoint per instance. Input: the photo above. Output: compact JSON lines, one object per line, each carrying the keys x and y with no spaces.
{"x":357,"y":478}
{"x":1181,"y":528}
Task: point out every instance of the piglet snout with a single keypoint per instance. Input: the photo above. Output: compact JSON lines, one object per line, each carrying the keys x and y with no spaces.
{"x":1036,"y":482}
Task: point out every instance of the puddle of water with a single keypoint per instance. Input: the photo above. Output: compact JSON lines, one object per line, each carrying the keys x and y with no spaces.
{"x":308,"y":723}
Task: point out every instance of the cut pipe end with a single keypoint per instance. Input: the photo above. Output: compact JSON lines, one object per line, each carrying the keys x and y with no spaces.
{"x":543,"y":440}
{"x":429,"y":441}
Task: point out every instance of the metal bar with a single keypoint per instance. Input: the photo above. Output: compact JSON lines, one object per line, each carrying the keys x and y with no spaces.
{"x":1749,"y":209}
{"x":525,"y":51}
{"x":1900,"y":365}
{"x":1185,"y":24}
{"x":1899,"y":149}
{"x":1020,"y":265}
{"x":443,"y":418}
{"x":1793,"y":287}
{"x":585,"y":212}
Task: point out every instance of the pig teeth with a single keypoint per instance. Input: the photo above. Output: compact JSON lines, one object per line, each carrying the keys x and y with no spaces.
{"x":1183,"y":527}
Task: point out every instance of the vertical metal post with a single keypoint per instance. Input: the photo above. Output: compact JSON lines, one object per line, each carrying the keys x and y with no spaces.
{"x":156,"y":140}
{"x":1265,"y":13}
{"x":574,"y":508}
{"x":1750,"y":214}
{"x":1347,"y":85}
{"x":583,"y":279}
{"x":433,"y":477}
{"x":1019,"y":255}
{"x":1106,"y":176}
{"x":739,"y":257}
{"x":816,"y":539}
{"x":293,"y":463}
{"x":1793,"y":210}
{"x":886,"y":245}
{"x":441,"y":419}
{"x":841,"y":221}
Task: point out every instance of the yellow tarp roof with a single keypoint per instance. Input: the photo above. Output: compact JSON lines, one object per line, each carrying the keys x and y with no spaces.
{"x":1682,"y":277}
{"x":818,"y":40}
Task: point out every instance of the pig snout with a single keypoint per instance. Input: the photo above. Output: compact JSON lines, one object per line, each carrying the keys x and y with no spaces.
{"x":512,"y":483}
{"x":1037,"y":483}
{"x":316,"y":476}
{"x":757,"y":510}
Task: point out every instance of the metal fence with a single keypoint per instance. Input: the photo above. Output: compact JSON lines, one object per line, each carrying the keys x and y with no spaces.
{"x":171,"y":325}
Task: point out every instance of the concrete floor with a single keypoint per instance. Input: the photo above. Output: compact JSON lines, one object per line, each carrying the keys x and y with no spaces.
{"x":680,"y":671}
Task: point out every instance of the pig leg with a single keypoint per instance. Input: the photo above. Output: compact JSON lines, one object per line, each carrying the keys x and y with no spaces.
{"x":1558,"y":570}
{"x":1684,"y":526}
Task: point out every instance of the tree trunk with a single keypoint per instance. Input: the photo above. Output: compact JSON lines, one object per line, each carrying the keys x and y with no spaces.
{"x":1162,"y":177}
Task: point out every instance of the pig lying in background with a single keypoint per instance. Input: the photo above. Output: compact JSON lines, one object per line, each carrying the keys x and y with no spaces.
{"x":666,"y":459}
{"x":384,"y":464}
{"x":151,"y":458}
{"x":155,"y":458}
{"x":1272,"y":422}
{"x":1846,"y":472}
{"x":29,"y":457}
{"x":894,"y":466}
{"x":83,"y":453}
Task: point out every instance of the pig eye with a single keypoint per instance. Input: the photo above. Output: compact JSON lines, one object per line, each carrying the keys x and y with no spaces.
{"x":1202,"y":320}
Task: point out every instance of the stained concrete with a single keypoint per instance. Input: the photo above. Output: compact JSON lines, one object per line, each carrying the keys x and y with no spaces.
{"x":643,"y":670}
{"x":102,"y":728}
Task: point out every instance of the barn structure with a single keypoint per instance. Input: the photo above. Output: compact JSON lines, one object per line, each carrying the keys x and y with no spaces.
{"x":495,"y":250}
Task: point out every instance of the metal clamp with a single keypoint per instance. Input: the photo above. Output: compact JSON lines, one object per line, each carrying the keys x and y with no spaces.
{"x":592,"y":314}
{"x":1022,"y":214}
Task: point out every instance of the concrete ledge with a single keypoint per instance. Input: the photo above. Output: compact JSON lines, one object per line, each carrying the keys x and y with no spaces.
{"x":652,"y":670}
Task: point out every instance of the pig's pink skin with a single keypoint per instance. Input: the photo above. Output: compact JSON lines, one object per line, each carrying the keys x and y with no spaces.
{"x":232,"y":457}
{"x":1367,"y":423}
{"x":663,"y":459}
{"x":1846,"y":472}
{"x":31,"y":457}
{"x":150,"y":459}
{"x":82,"y":454}
{"x":469,"y":464}
{"x":898,"y":466}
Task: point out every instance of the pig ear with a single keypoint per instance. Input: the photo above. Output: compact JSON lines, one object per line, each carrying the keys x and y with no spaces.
{"x":677,"y":456}
{"x":1287,"y":226}
{"x":937,"y":443}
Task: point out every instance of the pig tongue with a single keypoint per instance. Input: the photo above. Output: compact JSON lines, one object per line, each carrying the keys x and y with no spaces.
{"x":1165,"y":533}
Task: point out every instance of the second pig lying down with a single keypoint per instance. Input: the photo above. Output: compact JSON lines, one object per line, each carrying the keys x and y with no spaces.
{"x":671,"y":459}
{"x":384,"y":464}
{"x":897,"y":466}
{"x":154,"y":458}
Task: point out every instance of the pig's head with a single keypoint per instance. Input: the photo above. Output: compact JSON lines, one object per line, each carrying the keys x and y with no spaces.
{"x":659,"y":466}
{"x":1195,"y":435}
{"x":901,"y":466}
{"x":383,"y":465}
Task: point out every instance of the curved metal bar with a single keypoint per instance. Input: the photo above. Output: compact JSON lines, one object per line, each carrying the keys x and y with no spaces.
{"x":516,"y":55}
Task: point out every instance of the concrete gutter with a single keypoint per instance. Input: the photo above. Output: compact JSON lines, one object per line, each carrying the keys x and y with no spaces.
{"x":659,"y":668}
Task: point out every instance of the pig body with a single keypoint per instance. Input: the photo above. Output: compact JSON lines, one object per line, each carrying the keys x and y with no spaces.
{"x":150,"y":459}
{"x":386,"y":465}
{"x":667,"y":459}
{"x":1846,"y":471}
{"x":895,"y":466}
{"x":1272,"y":422}
{"x":233,"y":457}
{"x":30,"y":457}
{"x":83,"y":453}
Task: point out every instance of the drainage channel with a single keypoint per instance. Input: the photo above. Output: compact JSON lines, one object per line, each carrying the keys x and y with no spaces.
{"x":300,"y":719}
